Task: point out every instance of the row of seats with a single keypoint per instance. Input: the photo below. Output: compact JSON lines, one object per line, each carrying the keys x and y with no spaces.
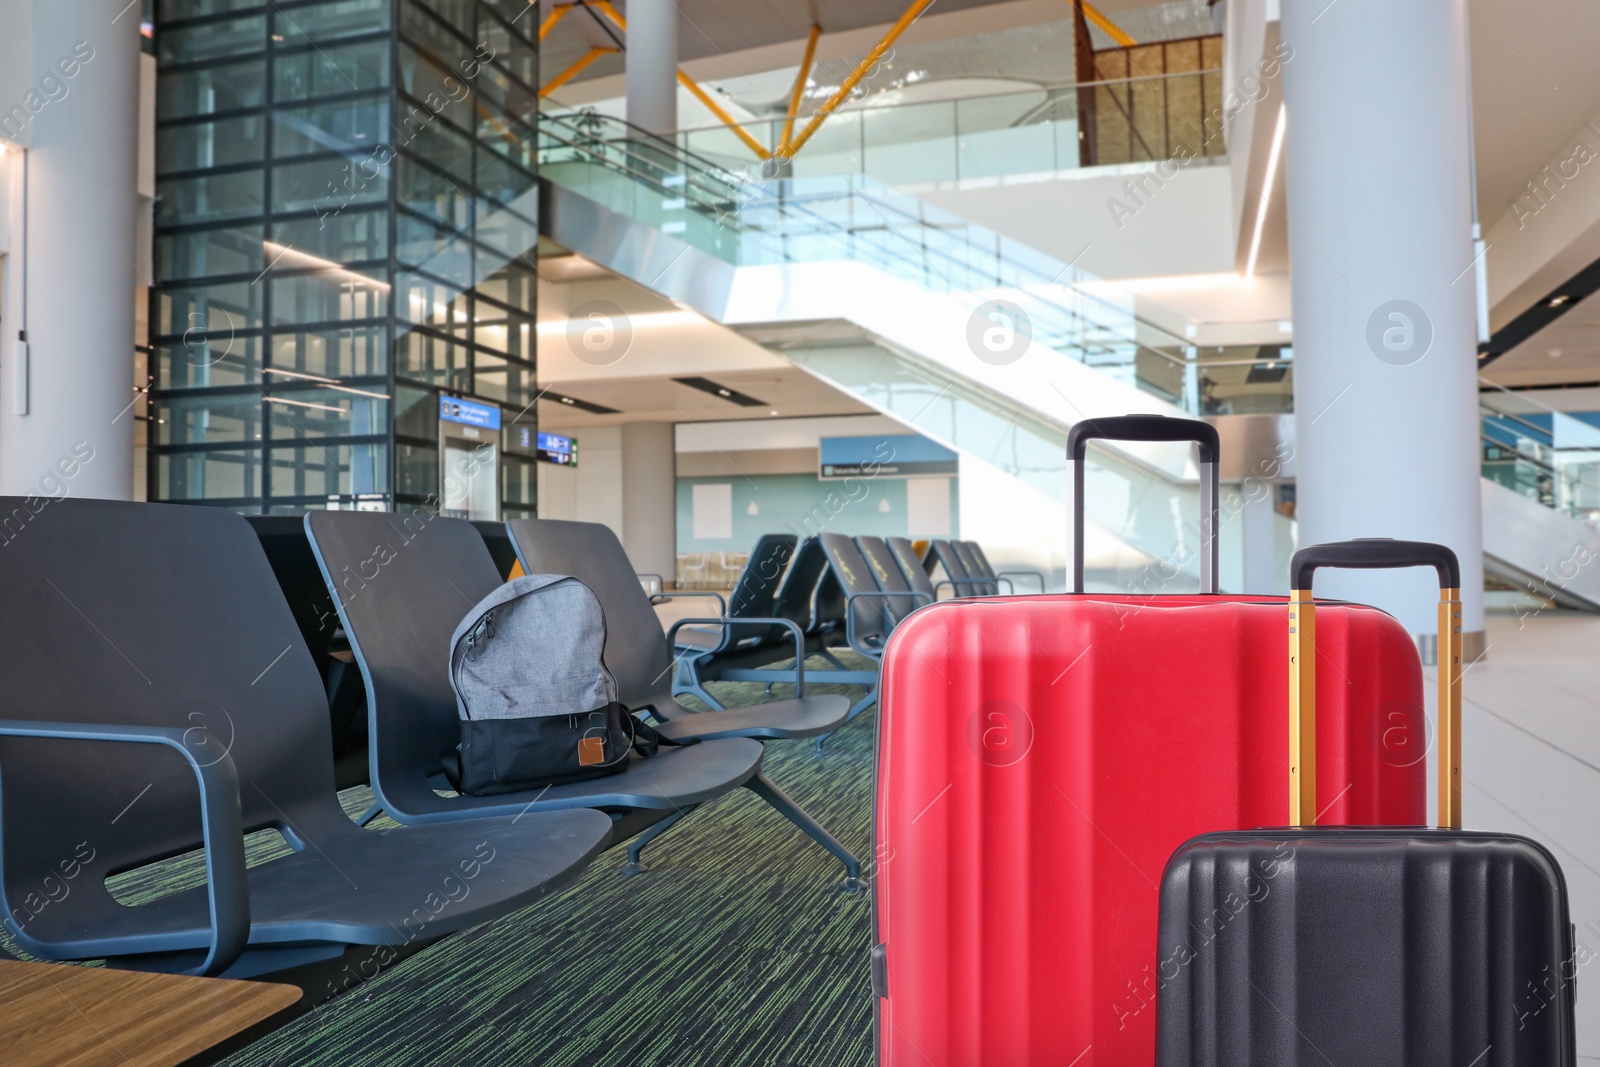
{"x":152,"y":647}
{"x":843,"y":592}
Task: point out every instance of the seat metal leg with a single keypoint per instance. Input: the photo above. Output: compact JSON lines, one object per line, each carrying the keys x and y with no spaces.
{"x":370,"y":814}
{"x":705,"y":695}
{"x":863,"y":704}
{"x":686,"y":679}
{"x":857,"y":708}
{"x":764,"y":788}
{"x":635,"y":865}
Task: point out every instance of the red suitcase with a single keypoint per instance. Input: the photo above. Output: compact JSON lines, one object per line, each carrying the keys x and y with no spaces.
{"x":1041,"y":757}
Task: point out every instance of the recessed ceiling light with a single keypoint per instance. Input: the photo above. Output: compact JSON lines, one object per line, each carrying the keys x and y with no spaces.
{"x":721,"y":392}
{"x":1555,"y":353}
{"x":1557,"y":301}
{"x":774,"y":411}
{"x":568,"y":400}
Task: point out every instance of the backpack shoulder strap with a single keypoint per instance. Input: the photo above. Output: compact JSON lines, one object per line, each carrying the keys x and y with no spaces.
{"x":647,"y":740}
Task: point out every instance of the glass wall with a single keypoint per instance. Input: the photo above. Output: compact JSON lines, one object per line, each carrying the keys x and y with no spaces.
{"x":346,"y":226}
{"x":1153,"y":101}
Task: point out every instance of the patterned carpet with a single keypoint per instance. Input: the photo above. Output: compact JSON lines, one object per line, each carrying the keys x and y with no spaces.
{"x":733,"y":951}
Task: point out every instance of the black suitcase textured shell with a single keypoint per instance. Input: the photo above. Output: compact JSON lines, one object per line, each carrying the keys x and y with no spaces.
{"x":1362,"y":947}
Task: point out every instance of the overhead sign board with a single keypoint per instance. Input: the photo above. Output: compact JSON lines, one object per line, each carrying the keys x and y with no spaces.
{"x":554,"y":448}
{"x":891,"y":455}
{"x":469,"y":412}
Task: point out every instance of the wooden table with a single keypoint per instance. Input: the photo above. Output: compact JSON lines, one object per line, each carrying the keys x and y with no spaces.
{"x":88,"y":1016}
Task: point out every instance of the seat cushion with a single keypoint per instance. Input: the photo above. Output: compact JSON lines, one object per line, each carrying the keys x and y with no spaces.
{"x":808,"y":716}
{"x":369,"y":887}
{"x":674,"y":778}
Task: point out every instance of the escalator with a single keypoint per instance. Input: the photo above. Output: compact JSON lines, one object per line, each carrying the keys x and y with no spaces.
{"x":1541,"y":500}
{"x":996,"y":350}
{"x":970,"y":339}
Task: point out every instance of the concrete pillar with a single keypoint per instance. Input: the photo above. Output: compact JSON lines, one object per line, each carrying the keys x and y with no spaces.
{"x":652,"y":65}
{"x":1379,"y":194}
{"x":66,"y":427}
{"x":1257,"y":516}
{"x":650,"y":497}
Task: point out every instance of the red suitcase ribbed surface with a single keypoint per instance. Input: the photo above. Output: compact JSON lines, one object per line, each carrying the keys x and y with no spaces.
{"x":1041,"y":758}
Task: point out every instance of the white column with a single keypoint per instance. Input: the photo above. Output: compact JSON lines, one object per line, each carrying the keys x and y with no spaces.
{"x":1256,"y":519}
{"x":650,"y":497}
{"x":77,"y":259}
{"x":652,"y":65}
{"x":1379,"y":191}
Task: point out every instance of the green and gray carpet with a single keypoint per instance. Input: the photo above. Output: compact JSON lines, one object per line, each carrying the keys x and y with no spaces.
{"x":733,"y":951}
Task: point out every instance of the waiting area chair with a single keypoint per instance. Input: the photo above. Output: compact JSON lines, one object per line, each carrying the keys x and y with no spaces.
{"x":968,"y":571}
{"x":283,"y":538}
{"x":148,"y":651}
{"x":754,"y":597}
{"x":640,"y":657}
{"x":401,"y":583}
{"x":808,"y":594}
{"x":983,"y":568}
{"x":878,"y":597}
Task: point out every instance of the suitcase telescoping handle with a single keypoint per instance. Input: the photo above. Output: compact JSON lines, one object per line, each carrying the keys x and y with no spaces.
{"x":1370,"y":554}
{"x":1149,"y":428}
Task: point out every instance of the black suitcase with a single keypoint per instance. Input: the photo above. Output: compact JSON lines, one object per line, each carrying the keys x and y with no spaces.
{"x":1364,"y":947}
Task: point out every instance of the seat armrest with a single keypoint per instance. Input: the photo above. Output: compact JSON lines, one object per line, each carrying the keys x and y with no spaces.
{"x":1036,"y":575}
{"x":722,"y":604}
{"x":661,"y":583}
{"x":221,"y":823}
{"x":954,"y":582}
{"x":850,"y":616}
{"x":788,"y":624}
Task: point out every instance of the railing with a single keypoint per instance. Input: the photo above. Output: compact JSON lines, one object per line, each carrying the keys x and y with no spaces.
{"x":1544,"y":454}
{"x":744,"y":220}
{"x":992,"y":136}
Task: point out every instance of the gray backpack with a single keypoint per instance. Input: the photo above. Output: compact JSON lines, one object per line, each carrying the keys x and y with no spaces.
{"x":538,"y":706}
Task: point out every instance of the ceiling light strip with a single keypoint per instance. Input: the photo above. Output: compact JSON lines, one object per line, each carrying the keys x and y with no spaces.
{"x":1266,"y":190}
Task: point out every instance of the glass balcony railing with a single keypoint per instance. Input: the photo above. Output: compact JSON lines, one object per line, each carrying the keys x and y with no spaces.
{"x":744,"y":220}
{"x":1036,"y":131}
{"x":1546,"y":455}
{"x":850,"y":219}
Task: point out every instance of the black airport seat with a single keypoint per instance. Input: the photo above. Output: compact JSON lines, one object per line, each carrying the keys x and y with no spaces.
{"x":961,"y":580}
{"x":796,"y":594}
{"x":283,"y":538}
{"x":640,"y":657}
{"x":754,"y":596}
{"x":498,"y":542}
{"x":801,"y":597}
{"x":891,"y":579}
{"x":148,"y":650}
{"x":876,"y":597}
{"x":871,"y":611}
{"x":637,"y":652}
{"x":807,"y":595}
{"x":983,"y":569}
{"x":913,"y":567}
{"x":986,"y":585}
{"x":402,"y":582}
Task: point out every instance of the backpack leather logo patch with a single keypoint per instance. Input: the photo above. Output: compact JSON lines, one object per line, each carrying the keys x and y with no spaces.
{"x":591,"y":751}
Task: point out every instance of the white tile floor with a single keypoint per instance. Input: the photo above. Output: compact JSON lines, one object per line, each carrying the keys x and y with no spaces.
{"x":1531,"y":764}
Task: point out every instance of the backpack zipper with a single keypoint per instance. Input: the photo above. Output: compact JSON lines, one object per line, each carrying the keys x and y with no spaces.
{"x":480,"y":633}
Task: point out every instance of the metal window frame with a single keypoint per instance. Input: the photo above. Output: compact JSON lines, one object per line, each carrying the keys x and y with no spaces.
{"x":391,"y":325}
